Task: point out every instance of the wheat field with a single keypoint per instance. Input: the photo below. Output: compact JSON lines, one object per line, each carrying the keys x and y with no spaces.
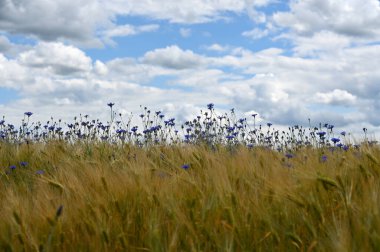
{"x":57,"y":196}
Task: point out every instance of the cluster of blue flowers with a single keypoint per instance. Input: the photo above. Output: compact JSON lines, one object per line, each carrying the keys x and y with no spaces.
{"x":155,"y":129}
{"x":22,"y":165}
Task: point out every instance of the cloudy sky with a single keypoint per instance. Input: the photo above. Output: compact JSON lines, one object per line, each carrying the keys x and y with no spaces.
{"x":285,"y":60}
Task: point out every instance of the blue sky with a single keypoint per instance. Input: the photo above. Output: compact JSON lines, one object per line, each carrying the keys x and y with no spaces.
{"x":285,"y":60}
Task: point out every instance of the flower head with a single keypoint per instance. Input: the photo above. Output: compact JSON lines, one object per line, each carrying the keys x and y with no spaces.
{"x":335,"y":140}
{"x":185,"y":166}
{"x":321,"y":133}
{"x":110,"y":104}
{"x":289,"y":155}
{"x":28,"y":114}
{"x":23,"y":164}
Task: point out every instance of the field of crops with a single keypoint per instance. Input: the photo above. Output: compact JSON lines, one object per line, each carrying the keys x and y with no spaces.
{"x":217,"y":187}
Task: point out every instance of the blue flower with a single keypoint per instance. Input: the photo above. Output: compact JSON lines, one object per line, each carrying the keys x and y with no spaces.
{"x":343,"y":133}
{"x":12,"y":167}
{"x":335,"y":140}
{"x":40,"y":172}
{"x":269,"y":124}
{"x":28,"y":114}
{"x":210,"y":106}
{"x":324,"y":158}
{"x":110,"y":104}
{"x":23,"y":164}
{"x":289,"y":155}
{"x":230,"y":129}
{"x":321,"y":133}
{"x":185,"y":166}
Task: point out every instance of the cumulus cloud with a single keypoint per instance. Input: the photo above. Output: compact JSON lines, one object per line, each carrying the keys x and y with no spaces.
{"x":12,"y":74}
{"x":88,"y":22}
{"x":100,"y":68}
{"x":57,"y":57}
{"x":277,"y":87}
{"x":173,"y":57}
{"x":52,"y":20}
{"x":10,"y":49}
{"x":320,"y":43}
{"x":353,"y":18}
{"x":336,"y":97}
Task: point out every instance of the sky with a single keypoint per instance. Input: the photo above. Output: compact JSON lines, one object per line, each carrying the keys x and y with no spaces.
{"x":288,"y":61}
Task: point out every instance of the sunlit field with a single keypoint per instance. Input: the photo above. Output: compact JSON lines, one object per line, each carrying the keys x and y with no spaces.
{"x":214,"y":183}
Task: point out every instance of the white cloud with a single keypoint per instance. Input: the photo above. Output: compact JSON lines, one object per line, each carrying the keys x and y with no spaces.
{"x":353,"y":18}
{"x":127,"y":30}
{"x":320,"y":43}
{"x":336,"y":97}
{"x":59,"y":58}
{"x":101,"y":68}
{"x":185,"y":32}
{"x":52,"y":20}
{"x":10,"y":49}
{"x":217,"y":48}
{"x":255,"y":15}
{"x":173,"y":57}
{"x":85,"y":22}
{"x":181,"y":11}
{"x":256,"y":33}
{"x":12,"y":74}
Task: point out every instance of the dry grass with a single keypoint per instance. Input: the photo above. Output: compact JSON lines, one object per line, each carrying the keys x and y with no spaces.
{"x":131,"y":199}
